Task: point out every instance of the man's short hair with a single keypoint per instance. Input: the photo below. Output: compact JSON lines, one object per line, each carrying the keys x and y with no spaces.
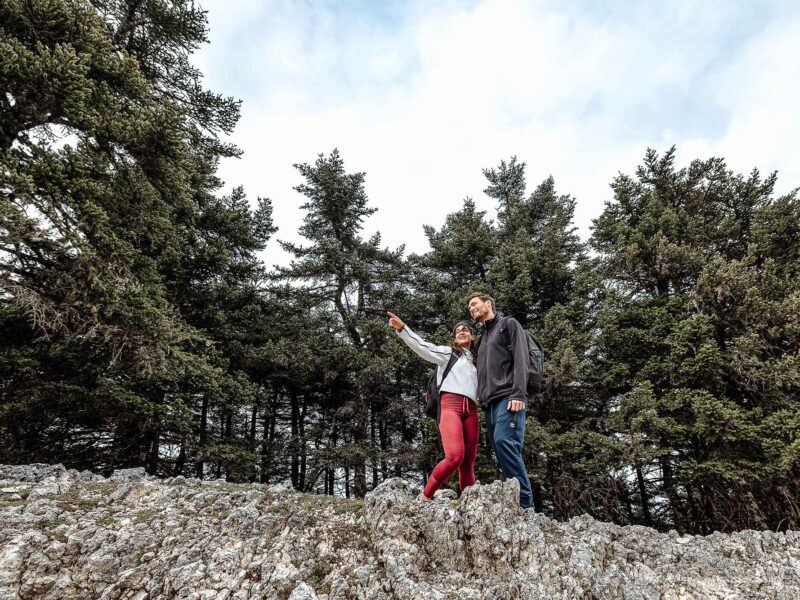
{"x":482,"y":296}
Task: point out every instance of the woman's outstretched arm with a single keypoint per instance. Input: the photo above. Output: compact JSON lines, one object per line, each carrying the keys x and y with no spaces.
{"x":430,"y":352}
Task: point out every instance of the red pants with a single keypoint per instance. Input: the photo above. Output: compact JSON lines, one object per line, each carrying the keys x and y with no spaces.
{"x":459,"y":428}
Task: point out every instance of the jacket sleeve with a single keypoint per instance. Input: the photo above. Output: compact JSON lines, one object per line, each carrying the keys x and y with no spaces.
{"x":430,"y":352}
{"x":519,"y":350}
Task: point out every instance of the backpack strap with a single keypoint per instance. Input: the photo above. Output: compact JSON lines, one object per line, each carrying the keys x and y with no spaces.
{"x":450,"y":363}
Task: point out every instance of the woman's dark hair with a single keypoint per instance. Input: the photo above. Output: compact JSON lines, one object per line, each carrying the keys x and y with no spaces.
{"x":454,"y":345}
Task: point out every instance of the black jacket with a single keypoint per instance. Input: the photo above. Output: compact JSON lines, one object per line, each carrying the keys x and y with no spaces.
{"x":502,"y":352}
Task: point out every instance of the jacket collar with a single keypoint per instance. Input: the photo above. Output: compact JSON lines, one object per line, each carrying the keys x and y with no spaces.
{"x":491,"y":322}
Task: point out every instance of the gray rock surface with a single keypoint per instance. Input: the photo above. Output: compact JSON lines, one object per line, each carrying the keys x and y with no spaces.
{"x":65,"y":534}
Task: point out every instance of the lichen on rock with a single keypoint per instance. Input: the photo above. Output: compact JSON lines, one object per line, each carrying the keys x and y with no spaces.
{"x":65,"y":534}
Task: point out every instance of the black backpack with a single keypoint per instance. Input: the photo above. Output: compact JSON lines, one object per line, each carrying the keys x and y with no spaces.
{"x":432,"y":404}
{"x":535,"y":363}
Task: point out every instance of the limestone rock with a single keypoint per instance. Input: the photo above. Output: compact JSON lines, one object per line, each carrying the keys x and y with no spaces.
{"x":68,"y":534}
{"x":129,"y":474}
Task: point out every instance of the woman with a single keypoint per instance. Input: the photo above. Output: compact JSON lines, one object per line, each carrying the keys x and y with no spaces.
{"x":458,"y":422}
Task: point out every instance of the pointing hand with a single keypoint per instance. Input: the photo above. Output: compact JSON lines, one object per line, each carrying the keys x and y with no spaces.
{"x":395,"y":321}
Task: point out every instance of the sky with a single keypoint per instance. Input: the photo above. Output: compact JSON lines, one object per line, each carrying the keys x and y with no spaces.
{"x":422,"y":96}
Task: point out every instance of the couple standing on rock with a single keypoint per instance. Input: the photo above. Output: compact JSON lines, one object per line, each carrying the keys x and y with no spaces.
{"x":492,"y":372}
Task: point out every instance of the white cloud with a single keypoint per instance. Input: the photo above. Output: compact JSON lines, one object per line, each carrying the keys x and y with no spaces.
{"x":423,"y":104}
{"x":761,"y":90}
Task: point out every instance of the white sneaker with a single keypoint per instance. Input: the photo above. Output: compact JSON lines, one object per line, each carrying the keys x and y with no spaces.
{"x":446,"y":493}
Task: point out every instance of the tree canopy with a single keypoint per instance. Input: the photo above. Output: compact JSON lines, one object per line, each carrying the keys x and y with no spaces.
{"x":141,"y":327}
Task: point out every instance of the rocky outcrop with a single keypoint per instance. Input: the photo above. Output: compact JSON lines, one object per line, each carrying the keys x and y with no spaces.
{"x":65,"y":534}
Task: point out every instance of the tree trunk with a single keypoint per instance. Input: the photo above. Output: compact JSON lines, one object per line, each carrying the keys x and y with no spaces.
{"x":295,"y":468}
{"x":180,"y":462}
{"x":218,"y":462}
{"x":384,"y":440}
{"x":672,"y":496}
{"x":253,"y":420}
{"x":328,"y":481}
{"x":152,"y":458}
{"x":710,"y":512}
{"x":199,"y":467}
{"x":361,"y":417}
{"x":129,"y":441}
{"x":536,"y":489}
{"x":301,"y":430}
{"x":352,"y":330}
{"x":405,"y":430}
{"x":266,"y":442}
{"x":227,"y":433}
{"x":625,"y":496}
{"x":332,"y":469}
{"x":373,"y":438}
{"x":696,"y":525}
{"x":360,"y":463}
{"x":252,"y":445}
{"x":643,"y":496}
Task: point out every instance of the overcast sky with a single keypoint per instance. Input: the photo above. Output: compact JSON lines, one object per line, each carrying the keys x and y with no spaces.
{"x":423,"y":95}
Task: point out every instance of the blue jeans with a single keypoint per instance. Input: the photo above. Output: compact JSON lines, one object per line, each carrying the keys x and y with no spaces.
{"x":506,"y":434}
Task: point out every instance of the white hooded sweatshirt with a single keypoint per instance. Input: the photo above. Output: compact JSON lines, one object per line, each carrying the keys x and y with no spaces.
{"x":463,"y":376}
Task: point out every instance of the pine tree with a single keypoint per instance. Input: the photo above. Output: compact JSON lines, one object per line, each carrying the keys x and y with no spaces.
{"x":691,"y":302}
{"x":462,"y":252}
{"x":537,"y":244}
{"x":108,"y":223}
{"x":354,"y":278}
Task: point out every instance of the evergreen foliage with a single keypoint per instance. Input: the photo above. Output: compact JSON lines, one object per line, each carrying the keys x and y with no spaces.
{"x":140,"y":326}
{"x":697,"y":338}
{"x":122,"y":272}
{"x":348,"y":279}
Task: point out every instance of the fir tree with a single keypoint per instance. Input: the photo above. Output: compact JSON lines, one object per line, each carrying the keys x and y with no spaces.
{"x":104,"y":238}
{"x":537,"y":244}
{"x":690,"y":313}
{"x":355,"y":278}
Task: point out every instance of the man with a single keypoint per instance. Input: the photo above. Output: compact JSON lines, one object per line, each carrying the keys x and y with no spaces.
{"x":502,"y":383}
